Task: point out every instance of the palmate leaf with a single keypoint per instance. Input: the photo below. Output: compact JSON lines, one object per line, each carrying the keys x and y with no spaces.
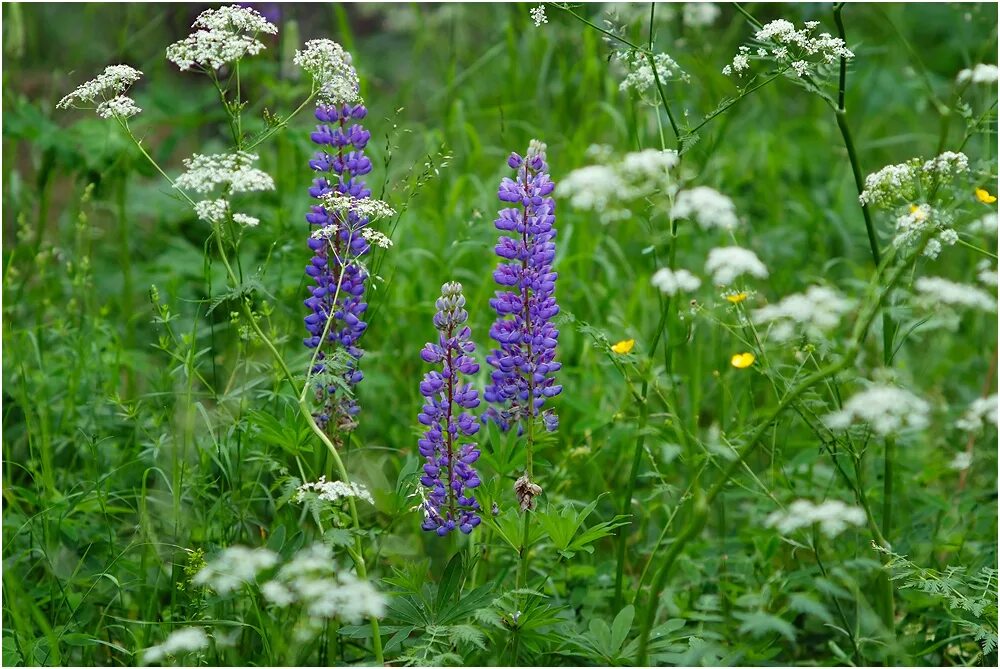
{"x":563,"y":528}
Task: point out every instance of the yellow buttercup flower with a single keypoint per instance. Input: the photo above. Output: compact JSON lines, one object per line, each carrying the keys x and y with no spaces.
{"x":743,"y":360}
{"x":984,"y":196}
{"x":736,"y":298}
{"x":624,"y":346}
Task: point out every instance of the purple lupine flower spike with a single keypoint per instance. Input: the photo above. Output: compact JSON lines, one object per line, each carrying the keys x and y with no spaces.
{"x":337,"y":244}
{"x":524,"y":364}
{"x":448,"y":473}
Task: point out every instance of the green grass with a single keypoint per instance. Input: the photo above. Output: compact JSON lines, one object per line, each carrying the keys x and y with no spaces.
{"x":143,"y":432}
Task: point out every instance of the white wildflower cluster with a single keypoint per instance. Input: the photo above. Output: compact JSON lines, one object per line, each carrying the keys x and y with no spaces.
{"x":914,"y":221}
{"x":224,"y":35}
{"x":333,"y":491}
{"x":376,"y":238}
{"x":934,"y":291}
{"x":246,"y":220}
{"x":985,"y":225}
{"x":983,"y":410}
{"x":811,"y":314}
{"x":608,"y":189}
{"x":980,"y":74}
{"x":234,"y":170}
{"x":234,"y":567}
{"x":986,"y":273}
{"x":727,"y":263}
{"x":122,"y":106}
{"x":641,"y":78}
{"x":328,"y":231}
{"x":832,"y":516}
{"x":905,"y":182}
{"x":212,"y":211}
{"x":538,"y":15}
{"x":779,"y":42}
{"x":707,"y":207}
{"x":962,"y":460}
{"x":184,"y":640}
{"x":700,"y":14}
{"x":311,"y":579}
{"x":335,"y":79}
{"x":886,"y":409}
{"x":363,"y":207}
{"x":108,"y":88}
{"x":675,"y":281}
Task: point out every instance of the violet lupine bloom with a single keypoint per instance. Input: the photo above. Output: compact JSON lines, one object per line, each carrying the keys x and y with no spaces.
{"x":448,"y":472}
{"x":524,"y":365}
{"x":337,"y":244}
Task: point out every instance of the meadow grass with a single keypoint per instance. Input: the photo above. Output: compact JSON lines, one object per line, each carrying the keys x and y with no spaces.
{"x":148,"y":425}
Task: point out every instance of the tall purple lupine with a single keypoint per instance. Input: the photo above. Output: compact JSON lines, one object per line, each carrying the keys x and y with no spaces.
{"x":339,"y":279}
{"x":448,"y":472}
{"x":524,"y":365}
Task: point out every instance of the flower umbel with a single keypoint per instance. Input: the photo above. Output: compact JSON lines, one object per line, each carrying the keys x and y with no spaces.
{"x":448,"y":472}
{"x":108,"y":91}
{"x":524,"y":366}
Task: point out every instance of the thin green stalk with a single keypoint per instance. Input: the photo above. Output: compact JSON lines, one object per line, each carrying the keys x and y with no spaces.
{"x":886,"y":592}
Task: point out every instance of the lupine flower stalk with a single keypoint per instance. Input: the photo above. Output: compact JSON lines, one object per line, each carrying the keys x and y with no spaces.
{"x":337,"y":298}
{"x":524,"y":365}
{"x":448,"y":473}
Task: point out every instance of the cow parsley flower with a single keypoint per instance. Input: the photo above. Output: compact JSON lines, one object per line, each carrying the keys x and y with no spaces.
{"x":783,"y":45}
{"x":334,"y":77}
{"x":986,"y":273}
{"x":707,"y":207}
{"x":235,"y":18}
{"x":982,"y":73}
{"x":108,"y":91}
{"x":325,"y":592}
{"x":225,"y":35}
{"x":183,"y":640}
{"x":672,"y":282}
{"x":886,"y":409}
{"x":983,"y":410}
{"x":700,"y":14}
{"x":962,"y":460}
{"x":448,"y":473}
{"x":934,"y":291}
{"x":333,"y":491}
{"x":905,"y":182}
{"x":524,"y":365}
{"x":609,"y":189}
{"x":727,"y":263}
{"x":538,"y":15}
{"x":915,"y":220}
{"x":640,"y":77}
{"x":235,"y":171}
{"x":832,"y":516}
{"x":234,"y":567}
{"x":812,"y":314}
{"x":985,"y":225}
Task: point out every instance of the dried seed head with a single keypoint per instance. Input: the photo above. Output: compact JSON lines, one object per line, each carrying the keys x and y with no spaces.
{"x":526,"y":492}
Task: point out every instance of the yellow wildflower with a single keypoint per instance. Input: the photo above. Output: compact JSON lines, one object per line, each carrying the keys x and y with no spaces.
{"x":984,"y":196}
{"x":736,"y":298}
{"x":743,"y":360}
{"x":624,"y":346}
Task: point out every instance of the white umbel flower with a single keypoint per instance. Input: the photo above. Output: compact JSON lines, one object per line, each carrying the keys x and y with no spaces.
{"x":980,"y":74}
{"x":813,"y":314}
{"x":235,"y":18}
{"x":983,"y":410}
{"x":707,"y":207}
{"x":538,"y":15}
{"x":904,"y":182}
{"x":934,"y":291}
{"x":962,"y":460}
{"x":782,"y":44}
{"x":121,"y":106}
{"x":334,"y":77}
{"x":833,"y":517}
{"x":608,"y":189}
{"x":672,"y":282}
{"x":364,"y":207}
{"x":246,"y":220}
{"x":727,"y":263}
{"x":234,"y":567}
{"x":333,"y":491}
{"x":212,"y":211}
{"x":641,"y":77}
{"x":183,"y":640}
{"x":205,"y":172}
{"x":107,"y":86}
{"x":886,"y":409}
